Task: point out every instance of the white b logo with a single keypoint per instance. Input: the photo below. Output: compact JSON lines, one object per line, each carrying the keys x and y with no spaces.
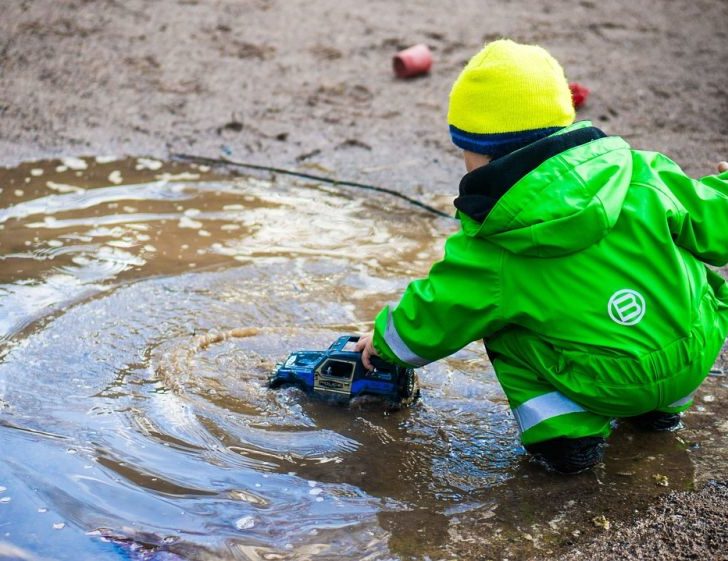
{"x":626,"y":307}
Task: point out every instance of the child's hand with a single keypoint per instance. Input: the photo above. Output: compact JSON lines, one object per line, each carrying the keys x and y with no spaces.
{"x":365,"y":346}
{"x":722,"y":166}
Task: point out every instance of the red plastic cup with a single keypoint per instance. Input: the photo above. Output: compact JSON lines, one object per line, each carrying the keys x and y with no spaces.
{"x":412,"y":62}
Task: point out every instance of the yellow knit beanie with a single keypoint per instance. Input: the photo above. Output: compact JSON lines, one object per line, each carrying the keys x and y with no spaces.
{"x":507,"y":94}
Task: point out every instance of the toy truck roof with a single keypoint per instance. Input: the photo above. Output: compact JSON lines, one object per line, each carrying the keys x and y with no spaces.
{"x":343,"y":348}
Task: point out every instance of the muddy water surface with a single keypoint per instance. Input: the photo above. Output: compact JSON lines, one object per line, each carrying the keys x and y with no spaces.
{"x":135,"y":424}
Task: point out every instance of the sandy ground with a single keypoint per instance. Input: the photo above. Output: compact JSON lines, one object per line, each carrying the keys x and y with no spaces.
{"x":308,"y":84}
{"x":679,"y":526}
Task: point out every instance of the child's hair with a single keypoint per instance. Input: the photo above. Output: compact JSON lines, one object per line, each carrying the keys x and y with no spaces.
{"x":506,"y":97}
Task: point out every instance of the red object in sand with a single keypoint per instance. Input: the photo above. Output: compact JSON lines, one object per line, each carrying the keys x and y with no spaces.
{"x":579,"y":94}
{"x":412,"y":62}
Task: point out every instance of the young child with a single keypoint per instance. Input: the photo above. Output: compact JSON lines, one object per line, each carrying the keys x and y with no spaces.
{"x":580,"y":262}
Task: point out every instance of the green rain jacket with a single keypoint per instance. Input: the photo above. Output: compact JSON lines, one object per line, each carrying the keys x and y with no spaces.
{"x":585,"y":260}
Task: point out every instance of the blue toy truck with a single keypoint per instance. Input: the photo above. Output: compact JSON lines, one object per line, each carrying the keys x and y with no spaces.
{"x":338,"y":373}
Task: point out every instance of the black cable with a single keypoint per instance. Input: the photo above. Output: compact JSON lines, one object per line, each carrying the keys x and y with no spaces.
{"x":321,"y":178}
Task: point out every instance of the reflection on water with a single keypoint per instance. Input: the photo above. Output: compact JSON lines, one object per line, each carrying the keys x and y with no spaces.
{"x":142,"y":308}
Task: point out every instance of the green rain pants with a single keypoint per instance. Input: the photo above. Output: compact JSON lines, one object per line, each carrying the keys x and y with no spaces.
{"x":555,"y":393}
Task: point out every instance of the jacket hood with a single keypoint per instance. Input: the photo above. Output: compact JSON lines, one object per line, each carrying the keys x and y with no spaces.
{"x":554,"y":197}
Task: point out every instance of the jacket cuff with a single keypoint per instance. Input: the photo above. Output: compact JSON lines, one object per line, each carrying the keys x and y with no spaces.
{"x":390,"y":345}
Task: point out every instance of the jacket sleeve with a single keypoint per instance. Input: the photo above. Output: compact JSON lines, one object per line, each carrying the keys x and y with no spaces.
{"x":456,"y":304}
{"x":700,"y":225}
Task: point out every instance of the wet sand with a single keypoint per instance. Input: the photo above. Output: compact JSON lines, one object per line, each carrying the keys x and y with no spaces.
{"x":309,"y":85}
{"x":678,"y":526}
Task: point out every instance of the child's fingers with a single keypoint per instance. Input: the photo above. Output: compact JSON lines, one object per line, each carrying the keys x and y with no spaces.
{"x":365,"y":359}
{"x":361,"y":343}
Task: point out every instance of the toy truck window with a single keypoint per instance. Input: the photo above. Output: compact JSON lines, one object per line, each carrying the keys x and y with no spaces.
{"x":337,"y":368}
{"x":302,"y":359}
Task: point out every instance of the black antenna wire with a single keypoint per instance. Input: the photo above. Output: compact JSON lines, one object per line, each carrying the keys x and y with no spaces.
{"x":321,"y":178}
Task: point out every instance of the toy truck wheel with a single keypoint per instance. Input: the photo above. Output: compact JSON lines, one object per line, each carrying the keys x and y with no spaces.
{"x":409,"y":388}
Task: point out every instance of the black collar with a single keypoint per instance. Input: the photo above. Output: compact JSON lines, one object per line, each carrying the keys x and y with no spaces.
{"x":483,"y":187}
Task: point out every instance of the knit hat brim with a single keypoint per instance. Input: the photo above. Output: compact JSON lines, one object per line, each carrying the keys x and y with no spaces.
{"x":497,"y":144}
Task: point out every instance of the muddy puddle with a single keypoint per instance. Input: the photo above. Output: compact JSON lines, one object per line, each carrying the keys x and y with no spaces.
{"x":124,"y":437}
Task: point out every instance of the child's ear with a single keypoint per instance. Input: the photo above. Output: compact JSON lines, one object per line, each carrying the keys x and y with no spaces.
{"x":473,"y":160}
